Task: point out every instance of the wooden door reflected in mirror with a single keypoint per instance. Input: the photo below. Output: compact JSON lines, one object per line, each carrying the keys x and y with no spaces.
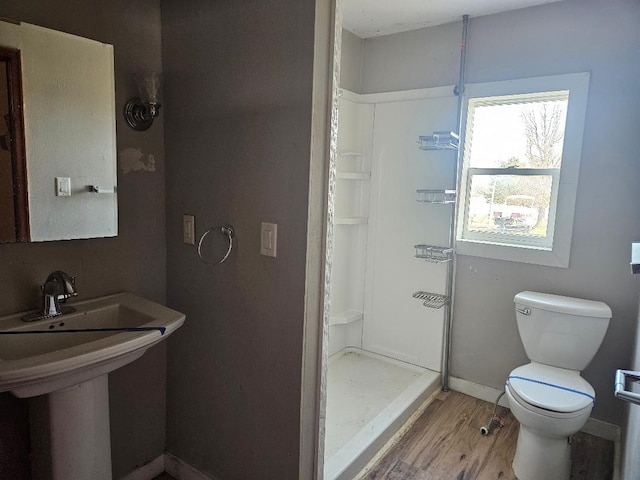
{"x":14,"y":211}
{"x":69,"y":131}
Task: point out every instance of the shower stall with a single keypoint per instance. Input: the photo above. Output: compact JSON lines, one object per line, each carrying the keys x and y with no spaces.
{"x":392,"y":206}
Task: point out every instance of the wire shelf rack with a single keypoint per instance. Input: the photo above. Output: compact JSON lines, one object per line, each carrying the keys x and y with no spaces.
{"x":437,"y":196}
{"x":432,"y":300}
{"x":439,"y":141}
{"x":434,"y":254}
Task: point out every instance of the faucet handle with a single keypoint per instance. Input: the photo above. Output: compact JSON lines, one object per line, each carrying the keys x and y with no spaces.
{"x":68,"y":282}
{"x":63,"y":284}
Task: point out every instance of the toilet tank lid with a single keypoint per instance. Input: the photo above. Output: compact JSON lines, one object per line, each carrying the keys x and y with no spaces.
{"x":561,"y":304}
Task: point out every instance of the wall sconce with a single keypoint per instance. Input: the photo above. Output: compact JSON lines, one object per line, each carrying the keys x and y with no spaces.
{"x":140,"y":112}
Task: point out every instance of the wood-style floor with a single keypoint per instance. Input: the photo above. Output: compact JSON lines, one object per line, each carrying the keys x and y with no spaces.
{"x":445,"y":444}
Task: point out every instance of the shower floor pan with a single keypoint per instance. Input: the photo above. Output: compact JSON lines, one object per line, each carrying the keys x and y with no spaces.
{"x":369,"y":397}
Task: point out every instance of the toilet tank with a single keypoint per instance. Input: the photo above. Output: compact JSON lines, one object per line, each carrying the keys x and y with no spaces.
{"x":561,"y":331}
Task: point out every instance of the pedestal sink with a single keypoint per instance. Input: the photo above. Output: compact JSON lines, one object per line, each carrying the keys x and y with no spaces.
{"x":62,"y":363}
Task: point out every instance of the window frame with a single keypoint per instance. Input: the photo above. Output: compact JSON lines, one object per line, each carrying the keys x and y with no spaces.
{"x":509,"y":239}
{"x":557,"y":252}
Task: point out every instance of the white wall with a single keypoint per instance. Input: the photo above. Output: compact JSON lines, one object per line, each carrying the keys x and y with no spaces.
{"x":565,"y":37}
{"x":351,"y":61}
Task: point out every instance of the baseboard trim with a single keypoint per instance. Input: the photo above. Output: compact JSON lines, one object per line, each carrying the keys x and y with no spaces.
{"x":601,"y":429}
{"x":482,"y":392}
{"x":148,"y":471}
{"x":178,"y":468}
{"x":167,"y":462}
{"x":611,"y":432}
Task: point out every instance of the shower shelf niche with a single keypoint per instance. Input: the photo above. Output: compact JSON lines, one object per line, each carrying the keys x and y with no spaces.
{"x":349,"y":162}
{"x":442,"y":197}
{"x":351,"y":192}
{"x":350,"y":220}
{"x":346,"y":317}
{"x":353,"y":176}
{"x":434,"y":254}
{"x":432,"y":300}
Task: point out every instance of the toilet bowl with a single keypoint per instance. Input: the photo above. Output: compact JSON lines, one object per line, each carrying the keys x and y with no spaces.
{"x":548,"y":396}
{"x":551,"y":404}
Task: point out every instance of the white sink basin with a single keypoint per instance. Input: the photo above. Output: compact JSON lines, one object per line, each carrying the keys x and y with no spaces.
{"x":39,"y":363}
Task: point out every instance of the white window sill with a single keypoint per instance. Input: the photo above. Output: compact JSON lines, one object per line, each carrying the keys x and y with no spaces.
{"x":513,"y":253}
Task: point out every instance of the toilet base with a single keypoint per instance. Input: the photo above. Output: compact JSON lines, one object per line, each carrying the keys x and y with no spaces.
{"x":541,"y":457}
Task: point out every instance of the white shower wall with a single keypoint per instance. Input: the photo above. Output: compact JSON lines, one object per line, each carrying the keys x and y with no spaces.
{"x":374,"y":263}
{"x":353,"y":167}
{"x":396,"y":324}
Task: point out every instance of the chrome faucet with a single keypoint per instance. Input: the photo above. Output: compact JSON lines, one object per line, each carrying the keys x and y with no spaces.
{"x":56,"y":289}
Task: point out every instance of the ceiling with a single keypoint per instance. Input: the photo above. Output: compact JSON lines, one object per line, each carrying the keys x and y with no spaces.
{"x":372,"y":18}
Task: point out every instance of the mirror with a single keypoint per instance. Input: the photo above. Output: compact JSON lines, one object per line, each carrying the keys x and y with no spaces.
{"x":58,"y":171}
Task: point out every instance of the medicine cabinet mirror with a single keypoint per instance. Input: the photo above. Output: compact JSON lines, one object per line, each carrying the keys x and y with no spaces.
{"x":57,"y":136}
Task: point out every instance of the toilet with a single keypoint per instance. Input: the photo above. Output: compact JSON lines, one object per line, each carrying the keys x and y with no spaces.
{"x":548,"y":396}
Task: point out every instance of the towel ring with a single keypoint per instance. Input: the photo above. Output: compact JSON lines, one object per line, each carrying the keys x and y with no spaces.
{"x":225,"y":230}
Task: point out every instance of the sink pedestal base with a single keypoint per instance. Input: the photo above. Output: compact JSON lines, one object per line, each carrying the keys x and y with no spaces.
{"x":65,"y":377}
{"x":70,"y":434}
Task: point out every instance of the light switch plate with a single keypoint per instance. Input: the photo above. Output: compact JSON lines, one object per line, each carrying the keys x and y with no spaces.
{"x":189,"y":229}
{"x":635,"y":258}
{"x":269,"y":239}
{"x":63,"y":187}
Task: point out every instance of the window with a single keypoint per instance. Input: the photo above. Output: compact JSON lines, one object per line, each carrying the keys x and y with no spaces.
{"x":521,"y":154}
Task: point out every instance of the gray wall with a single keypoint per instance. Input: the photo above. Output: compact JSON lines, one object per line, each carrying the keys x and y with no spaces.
{"x":570,"y":36}
{"x":134,"y":261}
{"x":238,"y":102}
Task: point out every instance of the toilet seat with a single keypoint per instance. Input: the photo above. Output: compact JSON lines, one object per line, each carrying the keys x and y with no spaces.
{"x":559,"y":416}
{"x":555,"y":391}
